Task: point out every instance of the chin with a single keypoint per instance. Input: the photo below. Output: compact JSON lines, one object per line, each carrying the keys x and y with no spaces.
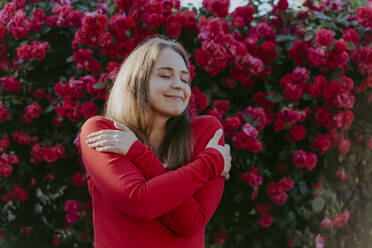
{"x":175,"y":113}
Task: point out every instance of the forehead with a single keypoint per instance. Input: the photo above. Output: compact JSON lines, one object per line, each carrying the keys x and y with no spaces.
{"x":169,"y":58}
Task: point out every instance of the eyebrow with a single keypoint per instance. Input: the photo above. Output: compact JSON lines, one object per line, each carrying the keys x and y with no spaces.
{"x":170,"y":68}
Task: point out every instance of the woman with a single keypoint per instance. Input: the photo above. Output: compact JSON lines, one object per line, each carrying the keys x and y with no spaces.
{"x":154,"y":176}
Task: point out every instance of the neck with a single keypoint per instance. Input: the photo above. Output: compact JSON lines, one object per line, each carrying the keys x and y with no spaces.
{"x":158,"y":132}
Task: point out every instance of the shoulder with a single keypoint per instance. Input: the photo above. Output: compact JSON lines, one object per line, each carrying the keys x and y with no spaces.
{"x":96,"y":123}
{"x":205,"y":121}
{"x":204,"y":126}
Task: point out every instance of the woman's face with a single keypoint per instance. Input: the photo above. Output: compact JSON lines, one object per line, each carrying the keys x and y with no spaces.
{"x":169,"y":91}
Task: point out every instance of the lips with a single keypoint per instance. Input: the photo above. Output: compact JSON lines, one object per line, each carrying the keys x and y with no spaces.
{"x":175,"y":97}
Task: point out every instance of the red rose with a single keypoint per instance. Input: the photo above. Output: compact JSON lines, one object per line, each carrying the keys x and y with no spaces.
{"x":347,"y":120}
{"x":341,"y":174}
{"x":298,"y":52}
{"x":293,"y":91}
{"x":71,"y":217}
{"x":286,"y":184}
{"x":321,"y":143}
{"x":324,"y":37}
{"x":351,"y":35}
{"x":265,"y":221}
{"x":88,"y":109}
{"x":21,"y":137}
{"x":4,"y":143}
{"x":221,"y":236}
{"x":123,"y":5}
{"x":303,"y":159}
{"x":276,"y":193}
{"x":5,"y":168}
{"x":218,"y":7}
{"x":344,"y":147}
{"x":283,"y":4}
{"x":71,"y":206}
{"x":25,"y":230}
{"x":364,"y":16}
{"x":317,"y":56}
{"x":4,"y":114}
{"x":11,"y":84}
{"x":24,"y":52}
{"x":59,"y":150}
{"x":281,"y":168}
{"x":298,"y":132}
{"x":49,"y":155}
{"x":311,"y":160}
{"x":56,"y":240}
{"x":33,"y":110}
{"x":79,"y":179}
{"x":263,"y":208}
{"x":233,"y":122}
{"x":173,"y":26}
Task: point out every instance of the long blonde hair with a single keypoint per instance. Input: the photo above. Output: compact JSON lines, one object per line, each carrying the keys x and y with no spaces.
{"x":128,"y":102}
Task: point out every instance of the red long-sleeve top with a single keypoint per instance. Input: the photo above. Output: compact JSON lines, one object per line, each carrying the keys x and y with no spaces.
{"x":137,"y":203}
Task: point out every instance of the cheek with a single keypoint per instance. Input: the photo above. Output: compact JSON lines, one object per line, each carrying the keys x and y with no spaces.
{"x":188,"y":92}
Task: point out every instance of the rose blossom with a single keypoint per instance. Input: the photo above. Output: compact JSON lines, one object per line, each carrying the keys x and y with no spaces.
{"x":265,"y":221}
{"x":324,"y":37}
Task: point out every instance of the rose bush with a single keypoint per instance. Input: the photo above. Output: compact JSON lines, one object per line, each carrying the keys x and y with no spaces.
{"x":291,"y":88}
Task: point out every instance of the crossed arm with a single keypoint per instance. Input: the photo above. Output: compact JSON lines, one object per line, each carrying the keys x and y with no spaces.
{"x":139,"y":179}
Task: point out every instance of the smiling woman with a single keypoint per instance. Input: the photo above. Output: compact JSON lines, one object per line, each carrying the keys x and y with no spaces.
{"x":137,"y":202}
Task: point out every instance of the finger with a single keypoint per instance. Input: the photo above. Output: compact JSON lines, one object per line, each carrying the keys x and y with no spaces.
{"x":99,"y":137}
{"x":100,"y":143}
{"x":106,"y":131}
{"x":105,"y":149}
{"x":217,"y":136}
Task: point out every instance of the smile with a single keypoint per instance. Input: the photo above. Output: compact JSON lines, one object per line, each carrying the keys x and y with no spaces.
{"x":175,"y":98}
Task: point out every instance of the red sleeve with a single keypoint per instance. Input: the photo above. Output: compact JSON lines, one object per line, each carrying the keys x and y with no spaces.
{"x":121,"y":181}
{"x":190,"y":217}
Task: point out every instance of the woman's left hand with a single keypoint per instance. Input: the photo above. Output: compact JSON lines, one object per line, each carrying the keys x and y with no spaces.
{"x":116,"y":141}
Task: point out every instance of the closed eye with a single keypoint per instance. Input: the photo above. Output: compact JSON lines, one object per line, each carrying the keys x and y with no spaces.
{"x":169,"y":77}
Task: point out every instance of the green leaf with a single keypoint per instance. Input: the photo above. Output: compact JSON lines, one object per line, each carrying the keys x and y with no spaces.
{"x":99,"y":85}
{"x":304,"y":189}
{"x":283,"y":155}
{"x":16,"y":101}
{"x":308,"y":36}
{"x":343,"y":17}
{"x":256,"y":123}
{"x":318,"y":204}
{"x":275,"y":98}
{"x":321,"y":16}
{"x":291,"y":216}
{"x":306,"y":96}
{"x":69,"y":59}
{"x":247,"y":117}
{"x":238,"y":198}
{"x":350,"y":45}
{"x":287,"y":37}
{"x":49,"y":108}
{"x":306,"y":213}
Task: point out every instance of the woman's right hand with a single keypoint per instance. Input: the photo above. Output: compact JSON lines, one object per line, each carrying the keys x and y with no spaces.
{"x":224,"y":150}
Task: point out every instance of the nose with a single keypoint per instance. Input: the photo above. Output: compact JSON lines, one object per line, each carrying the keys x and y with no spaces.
{"x":177,"y":82}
